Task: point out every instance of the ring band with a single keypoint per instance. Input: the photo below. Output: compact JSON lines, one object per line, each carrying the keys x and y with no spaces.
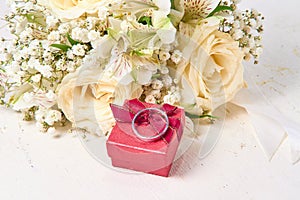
{"x":155,"y":137}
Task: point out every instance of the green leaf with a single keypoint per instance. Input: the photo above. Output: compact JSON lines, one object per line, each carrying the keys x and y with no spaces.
{"x":156,"y":76}
{"x":172,"y":4}
{"x":192,"y":116}
{"x":135,"y":52}
{"x":219,"y":8}
{"x":72,"y":42}
{"x":63,"y":47}
{"x":145,"y":20}
{"x":36,"y":18}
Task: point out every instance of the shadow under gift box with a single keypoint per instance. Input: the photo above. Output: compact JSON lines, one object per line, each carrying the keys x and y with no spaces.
{"x":155,"y":157}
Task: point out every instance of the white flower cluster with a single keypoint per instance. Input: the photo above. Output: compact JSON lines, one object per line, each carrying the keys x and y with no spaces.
{"x":137,"y":45}
{"x":46,"y":118}
{"x":246,"y":27}
{"x":163,"y":88}
{"x":41,"y":53}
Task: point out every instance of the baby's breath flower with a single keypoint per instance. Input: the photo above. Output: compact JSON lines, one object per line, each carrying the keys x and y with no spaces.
{"x":51,"y":22}
{"x":32,"y":68}
{"x":93,"y":35}
{"x":167,"y":81}
{"x":164,"y":70}
{"x":157,"y":84}
{"x":64,"y":28}
{"x":156,"y":94}
{"x":45,"y":70}
{"x":150,"y":99}
{"x":176,"y":56}
{"x":52,"y":117}
{"x":78,"y":50}
{"x":164,"y":55}
{"x":36,"y":78}
{"x":51,"y":130}
{"x":80,"y":34}
{"x":54,"y":36}
{"x":246,"y":28}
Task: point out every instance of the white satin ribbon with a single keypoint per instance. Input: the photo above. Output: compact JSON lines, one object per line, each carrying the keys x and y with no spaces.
{"x":271,"y":126}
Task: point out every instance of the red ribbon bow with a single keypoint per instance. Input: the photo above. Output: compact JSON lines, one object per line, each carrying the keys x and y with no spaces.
{"x":124,"y":116}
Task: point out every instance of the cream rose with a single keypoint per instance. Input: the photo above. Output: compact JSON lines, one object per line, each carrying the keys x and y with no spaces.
{"x":71,"y":9}
{"x":212,"y":71}
{"x":84,"y":98}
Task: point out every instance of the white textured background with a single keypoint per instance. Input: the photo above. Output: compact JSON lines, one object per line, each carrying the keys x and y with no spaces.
{"x":38,"y":166}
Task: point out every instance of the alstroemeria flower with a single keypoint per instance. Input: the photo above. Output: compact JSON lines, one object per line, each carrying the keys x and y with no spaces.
{"x":121,"y":48}
{"x":126,"y":67}
{"x":161,"y":23}
{"x":40,"y":98}
{"x":199,"y":9}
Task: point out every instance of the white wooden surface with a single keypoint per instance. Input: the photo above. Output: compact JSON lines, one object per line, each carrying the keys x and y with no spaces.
{"x":39,"y":166}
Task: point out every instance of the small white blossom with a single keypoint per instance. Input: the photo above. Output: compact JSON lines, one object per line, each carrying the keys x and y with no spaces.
{"x":64,"y":28}
{"x":70,"y":54}
{"x":238,"y":34}
{"x":40,"y":114}
{"x":157,"y":84}
{"x":164,"y":55}
{"x":80,"y":34}
{"x":150,"y":99}
{"x":51,"y":130}
{"x":172,"y":98}
{"x":52,"y":117}
{"x":251,"y":43}
{"x":54,"y":36}
{"x":164,"y":70}
{"x":45,"y":70}
{"x":253,"y":23}
{"x":258,"y":51}
{"x":36,"y":78}
{"x":51,"y":22}
{"x":91,"y":22}
{"x":93,"y":35}
{"x":176,"y":56}
{"x":71,"y":66}
{"x":236,"y":25}
{"x":176,"y":81}
{"x":167,"y":80}
{"x":156,"y":94}
{"x":78,"y":50}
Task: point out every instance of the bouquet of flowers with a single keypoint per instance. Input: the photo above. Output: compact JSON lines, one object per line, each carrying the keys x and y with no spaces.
{"x":69,"y":60}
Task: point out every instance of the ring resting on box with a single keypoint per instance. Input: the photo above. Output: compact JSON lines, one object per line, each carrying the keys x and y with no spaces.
{"x":159,"y":134}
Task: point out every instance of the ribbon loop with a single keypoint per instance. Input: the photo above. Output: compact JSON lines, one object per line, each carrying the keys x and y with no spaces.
{"x":147,"y":122}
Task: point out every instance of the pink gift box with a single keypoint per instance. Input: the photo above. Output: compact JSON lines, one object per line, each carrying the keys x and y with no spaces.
{"x":129,"y":151}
